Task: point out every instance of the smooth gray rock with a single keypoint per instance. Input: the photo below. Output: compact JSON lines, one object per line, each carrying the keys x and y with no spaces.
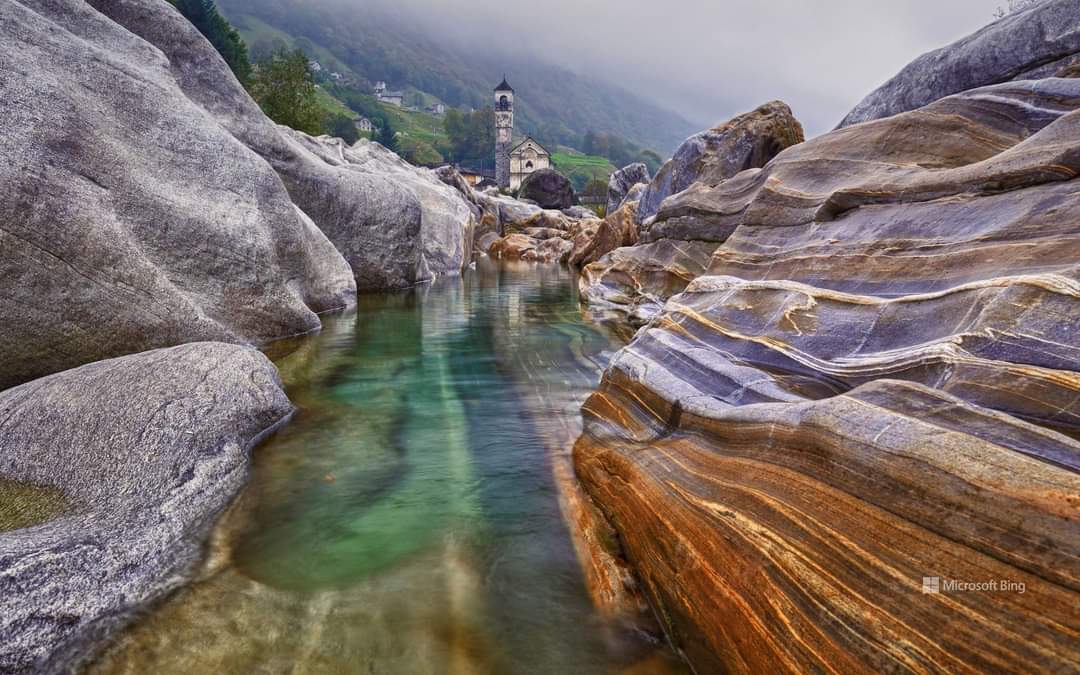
{"x":147,"y":449}
{"x":393,"y":229}
{"x":549,"y":189}
{"x":130,"y":218}
{"x":622,"y":181}
{"x":411,"y":216}
{"x":579,"y":212}
{"x":1030,"y":44}
{"x":714,"y":155}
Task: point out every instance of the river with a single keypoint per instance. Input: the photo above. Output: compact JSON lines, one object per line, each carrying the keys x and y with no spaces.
{"x":409,"y":519}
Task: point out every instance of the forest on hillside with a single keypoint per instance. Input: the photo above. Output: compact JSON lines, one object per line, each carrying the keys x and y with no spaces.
{"x":553,"y":105}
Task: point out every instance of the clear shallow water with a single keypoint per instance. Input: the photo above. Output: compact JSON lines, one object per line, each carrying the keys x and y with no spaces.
{"x":408,"y":519}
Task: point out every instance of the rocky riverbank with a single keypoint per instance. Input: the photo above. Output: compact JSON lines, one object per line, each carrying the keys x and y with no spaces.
{"x":146,"y":202}
{"x":858,"y":374}
{"x":856,"y":369}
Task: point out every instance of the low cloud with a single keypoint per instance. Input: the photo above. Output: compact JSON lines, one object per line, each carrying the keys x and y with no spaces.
{"x":710,"y":59}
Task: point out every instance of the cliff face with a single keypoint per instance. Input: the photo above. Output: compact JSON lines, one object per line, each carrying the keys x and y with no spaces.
{"x":872,"y":381}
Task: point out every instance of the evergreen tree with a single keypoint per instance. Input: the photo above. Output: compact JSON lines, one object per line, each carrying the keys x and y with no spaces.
{"x":284,"y":89}
{"x":343,"y":127}
{"x":203,"y":14}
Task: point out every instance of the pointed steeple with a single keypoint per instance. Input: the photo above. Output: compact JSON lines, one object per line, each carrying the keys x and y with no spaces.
{"x":504,"y":86}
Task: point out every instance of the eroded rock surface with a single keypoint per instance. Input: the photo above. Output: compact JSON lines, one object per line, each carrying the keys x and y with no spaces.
{"x":634,"y":282}
{"x":130,"y":219}
{"x":146,"y":450}
{"x":394,"y":223}
{"x":876,"y":381}
{"x":1033,"y":43}
{"x":618,"y":229}
{"x":744,"y":142}
{"x":624,"y":180}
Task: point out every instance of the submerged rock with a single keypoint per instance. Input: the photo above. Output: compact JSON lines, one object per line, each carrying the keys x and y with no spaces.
{"x":147,"y":450}
{"x":513,"y":246}
{"x":747,"y":141}
{"x":394,"y":223}
{"x":874,"y":383}
{"x":1029,"y":44}
{"x":549,"y":189}
{"x":130,"y":219}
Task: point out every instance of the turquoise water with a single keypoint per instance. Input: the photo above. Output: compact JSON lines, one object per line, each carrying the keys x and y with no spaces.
{"x":408,"y":520}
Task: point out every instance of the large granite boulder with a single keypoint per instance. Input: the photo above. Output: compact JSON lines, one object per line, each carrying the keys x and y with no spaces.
{"x":745,"y":142}
{"x":392,"y":222}
{"x":549,"y":189}
{"x":622,"y":181}
{"x":1033,"y":43}
{"x":514,"y":229}
{"x":138,"y":455}
{"x":867,"y":408}
{"x":616,"y":230}
{"x":130,"y":218}
{"x":415,"y":227}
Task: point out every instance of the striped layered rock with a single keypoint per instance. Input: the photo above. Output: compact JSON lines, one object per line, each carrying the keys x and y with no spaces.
{"x":634,"y":283}
{"x":743,"y":142}
{"x":877,"y":381}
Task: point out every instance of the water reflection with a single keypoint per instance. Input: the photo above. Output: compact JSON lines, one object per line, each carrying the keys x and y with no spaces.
{"x":407,"y":521}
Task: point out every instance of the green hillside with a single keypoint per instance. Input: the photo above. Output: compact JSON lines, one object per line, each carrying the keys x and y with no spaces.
{"x":553,"y":105}
{"x":582,"y":169}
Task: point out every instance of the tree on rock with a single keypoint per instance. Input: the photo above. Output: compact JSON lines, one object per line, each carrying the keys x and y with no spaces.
{"x":284,"y":89}
{"x":203,"y":14}
{"x":343,"y":127}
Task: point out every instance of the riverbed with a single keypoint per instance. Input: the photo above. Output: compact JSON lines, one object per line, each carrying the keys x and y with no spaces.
{"x":412,"y":517}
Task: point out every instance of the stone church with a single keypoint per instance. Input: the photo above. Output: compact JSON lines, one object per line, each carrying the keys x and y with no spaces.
{"x":513,"y":163}
{"x":527,"y":157}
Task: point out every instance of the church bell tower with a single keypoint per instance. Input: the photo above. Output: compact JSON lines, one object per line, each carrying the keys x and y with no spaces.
{"x":504,"y":132}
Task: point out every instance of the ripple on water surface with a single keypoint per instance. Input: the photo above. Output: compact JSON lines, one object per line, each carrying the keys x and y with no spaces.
{"x":407,"y":521}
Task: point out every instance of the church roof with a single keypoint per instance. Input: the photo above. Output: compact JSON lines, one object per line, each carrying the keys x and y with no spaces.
{"x":529,"y":139}
{"x":503,"y":86}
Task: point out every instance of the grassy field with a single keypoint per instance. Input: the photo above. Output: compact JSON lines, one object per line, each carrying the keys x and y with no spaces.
{"x":332,"y":105}
{"x":419,"y":125}
{"x":581,"y":169}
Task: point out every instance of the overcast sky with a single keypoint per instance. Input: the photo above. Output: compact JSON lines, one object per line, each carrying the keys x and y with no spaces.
{"x":711,"y":59}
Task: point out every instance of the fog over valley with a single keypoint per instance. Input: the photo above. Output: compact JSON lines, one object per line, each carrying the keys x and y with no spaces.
{"x":709,"y":59}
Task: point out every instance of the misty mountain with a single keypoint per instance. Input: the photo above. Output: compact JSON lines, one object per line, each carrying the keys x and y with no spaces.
{"x":376,"y":42}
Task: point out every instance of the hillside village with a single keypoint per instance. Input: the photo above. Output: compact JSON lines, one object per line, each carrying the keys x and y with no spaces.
{"x":419,"y":120}
{"x":411,"y":116}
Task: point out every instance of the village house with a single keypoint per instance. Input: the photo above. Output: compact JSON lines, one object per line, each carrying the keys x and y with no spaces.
{"x":363,"y":124}
{"x":392,"y":97}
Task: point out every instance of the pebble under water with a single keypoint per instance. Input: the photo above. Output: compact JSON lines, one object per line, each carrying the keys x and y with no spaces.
{"x":408,"y":520}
